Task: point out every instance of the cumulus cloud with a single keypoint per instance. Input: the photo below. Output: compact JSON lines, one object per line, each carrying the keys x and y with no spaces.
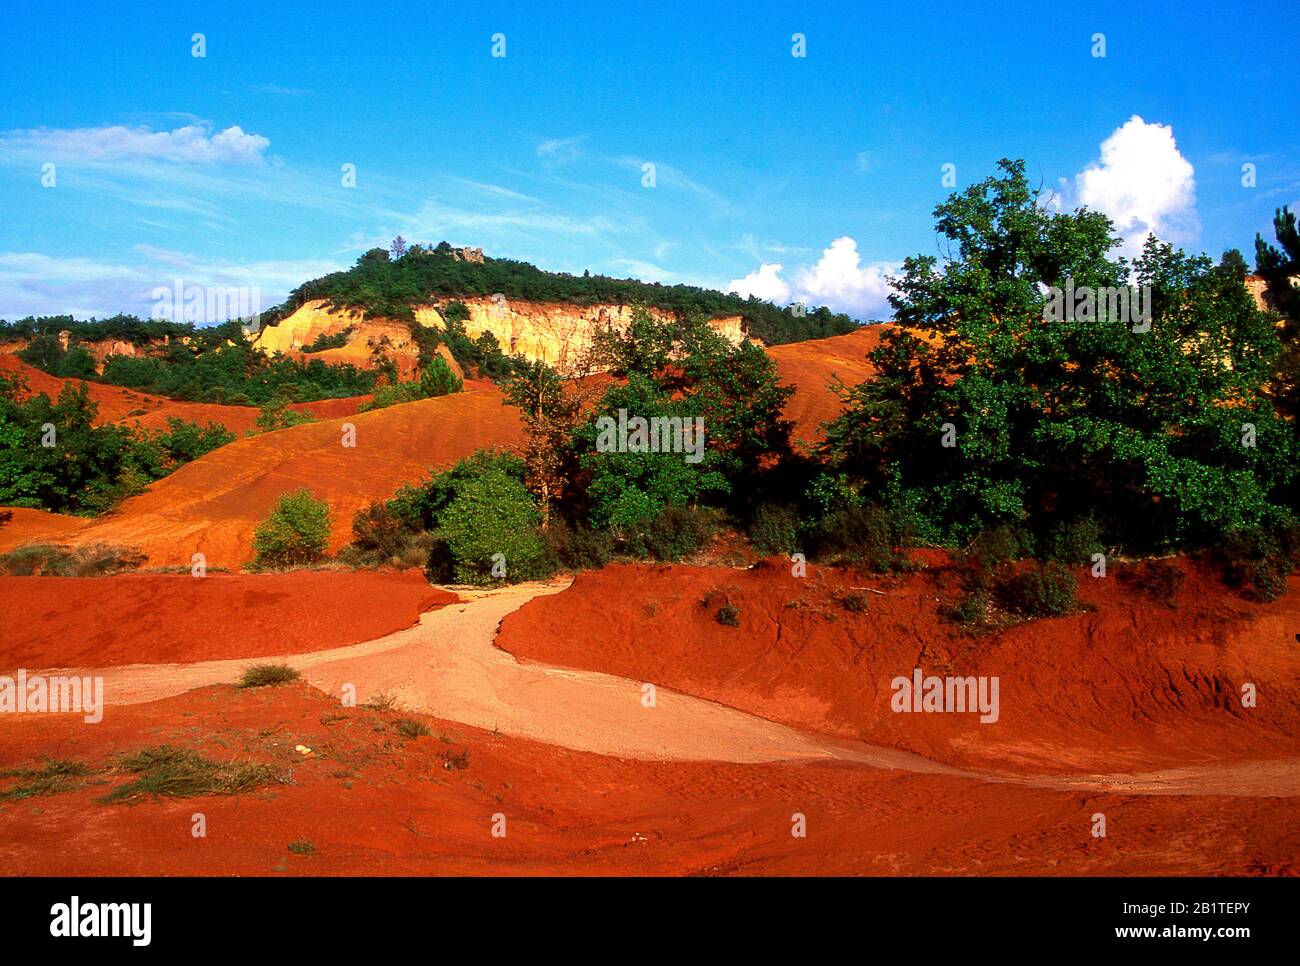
{"x":1143,"y":183}
{"x":837,"y":280}
{"x":764,"y":283}
{"x":191,"y":144}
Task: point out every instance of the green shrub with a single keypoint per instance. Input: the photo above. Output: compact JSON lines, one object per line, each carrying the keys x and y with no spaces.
{"x":676,"y":532}
{"x":92,"y":560}
{"x":728,"y":615}
{"x":969,"y":610}
{"x":493,"y":514}
{"x":864,"y":535}
{"x":1257,"y":561}
{"x":301,"y":847}
{"x":1074,"y":542}
{"x":1040,"y":590}
{"x":297,"y":532}
{"x":578,"y":547}
{"x":267,"y":675}
{"x":774,"y":529}
{"x":439,"y":380}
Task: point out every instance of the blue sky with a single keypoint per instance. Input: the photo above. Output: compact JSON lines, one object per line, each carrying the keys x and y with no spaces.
{"x":226,"y":169}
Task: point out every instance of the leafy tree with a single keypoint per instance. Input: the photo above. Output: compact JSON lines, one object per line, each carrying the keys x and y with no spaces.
{"x":1280,"y":268}
{"x":551,"y":411}
{"x":1056,"y":420}
{"x":493,"y":514}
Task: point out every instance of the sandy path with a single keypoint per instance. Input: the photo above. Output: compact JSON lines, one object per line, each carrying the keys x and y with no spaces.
{"x":447,"y":666}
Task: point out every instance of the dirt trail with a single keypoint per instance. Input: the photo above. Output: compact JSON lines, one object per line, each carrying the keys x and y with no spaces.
{"x":448,"y":666}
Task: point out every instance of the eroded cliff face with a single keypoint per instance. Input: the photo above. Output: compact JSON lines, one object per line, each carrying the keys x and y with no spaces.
{"x":368,"y":341}
{"x":553,"y":332}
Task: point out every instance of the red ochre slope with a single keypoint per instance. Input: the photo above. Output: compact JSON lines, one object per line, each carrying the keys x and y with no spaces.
{"x":213,"y":505}
{"x":129,"y":407}
{"x":811,"y":366}
{"x":1129,"y":685}
{"x":48,"y":622}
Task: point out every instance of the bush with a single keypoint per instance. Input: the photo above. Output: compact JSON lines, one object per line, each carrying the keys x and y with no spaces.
{"x":93,"y":560}
{"x":774,"y":529}
{"x":1040,"y":590}
{"x":970,"y":610}
{"x":1257,"y":561}
{"x":1074,"y":542}
{"x":267,"y":675}
{"x":301,"y":847}
{"x":381,"y":536}
{"x":493,"y":514}
{"x":676,"y":532}
{"x":439,"y":380}
{"x":297,"y":532}
{"x":578,"y":547}
{"x":728,"y":615}
{"x":1158,"y":579}
{"x":864,"y":535}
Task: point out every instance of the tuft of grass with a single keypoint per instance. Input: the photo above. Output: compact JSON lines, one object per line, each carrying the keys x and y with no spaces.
{"x":410,"y":728}
{"x":181,"y":773}
{"x":301,"y":847}
{"x":267,"y":675}
{"x":383,"y":701}
{"x":56,"y":775}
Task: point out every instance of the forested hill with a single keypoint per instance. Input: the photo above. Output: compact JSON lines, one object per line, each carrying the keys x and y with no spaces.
{"x":384,"y":284}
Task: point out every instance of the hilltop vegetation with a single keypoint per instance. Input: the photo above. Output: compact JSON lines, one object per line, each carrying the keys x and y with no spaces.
{"x":193,"y":363}
{"x":384,"y":284}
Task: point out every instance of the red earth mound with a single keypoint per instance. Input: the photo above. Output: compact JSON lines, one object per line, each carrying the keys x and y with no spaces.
{"x":36,"y":526}
{"x":371,"y":802}
{"x":1131,"y":684}
{"x":811,"y":368}
{"x":171,"y":618}
{"x":213,"y":505}
{"x":129,"y":407}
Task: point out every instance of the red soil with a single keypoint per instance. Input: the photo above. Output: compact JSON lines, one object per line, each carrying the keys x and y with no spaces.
{"x":372,"y":803}
{"x":812,"y":366}
{"x":117,"y":404}
{"x":213,"y":505}
{"x":169,"y":618}
{"x":31,"y":526}
{"x":1132,"y":684}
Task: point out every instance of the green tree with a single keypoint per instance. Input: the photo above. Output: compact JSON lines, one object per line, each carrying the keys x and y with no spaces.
{"x":1058,"y":419}
{"x":438,"y":379}
{"x":493,"y":523}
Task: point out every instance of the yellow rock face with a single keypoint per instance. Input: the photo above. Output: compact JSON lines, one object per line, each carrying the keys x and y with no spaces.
{"x":553,"y":332}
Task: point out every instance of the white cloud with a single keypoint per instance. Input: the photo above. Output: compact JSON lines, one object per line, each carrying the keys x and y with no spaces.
{"x":1143,"y":183}
{"x":36,"y":284}
{"x":191,"y":144}
{"x":560,"y":150}
{"x":837,"y":280}
{"x":764,"y":283}
{"x":840,"y":281}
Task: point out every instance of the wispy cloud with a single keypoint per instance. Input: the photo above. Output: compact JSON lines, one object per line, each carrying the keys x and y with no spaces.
{"x":191,"y":144}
